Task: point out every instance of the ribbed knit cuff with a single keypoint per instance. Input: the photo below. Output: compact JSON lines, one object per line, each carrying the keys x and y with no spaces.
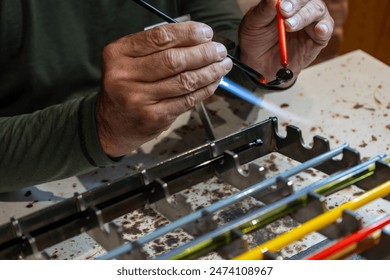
{"x":89,"y":137}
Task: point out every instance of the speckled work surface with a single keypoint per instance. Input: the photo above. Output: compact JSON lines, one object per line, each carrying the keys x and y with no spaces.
{"x":346,"y":100}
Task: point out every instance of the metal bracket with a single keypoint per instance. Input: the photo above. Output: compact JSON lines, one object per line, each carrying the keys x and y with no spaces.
{"x":36,"y":254}
{"x":202,"y":225}
{"x":16,"y":227}
{"x":109,"y":237}
{"x":267,"y":255}
{"x":30,"y":241}
{"x":349,"y":223}
{"x":381,"y":250}
{"x":382,"y":174}
{"x":230,"y":171}
{"x":136,"y":253}
{"x":173,"y":210}
{"x":282,"y":189}
{"x":237,"y":246}
{"x":315,"y":206}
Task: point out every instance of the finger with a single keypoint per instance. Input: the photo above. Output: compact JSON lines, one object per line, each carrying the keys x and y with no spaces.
{"x":171,"y":62}
{"x":178,"y":105}
{"x":290,"y":7}
{"x":312,"y":11}
{"x":164,"y":37}
{"x":182,"y":84}
{"x":322,"y":31}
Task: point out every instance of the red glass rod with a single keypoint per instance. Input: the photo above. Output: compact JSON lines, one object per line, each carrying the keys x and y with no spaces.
{"x":349,"y":240}
{"x":282,"y":35}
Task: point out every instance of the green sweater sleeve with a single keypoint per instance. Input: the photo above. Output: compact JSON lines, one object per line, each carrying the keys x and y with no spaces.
{"x":54,"y":143}
{"x":61,"y":140}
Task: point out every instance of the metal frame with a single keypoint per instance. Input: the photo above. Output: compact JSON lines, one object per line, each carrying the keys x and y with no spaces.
{"x":94,"y":210}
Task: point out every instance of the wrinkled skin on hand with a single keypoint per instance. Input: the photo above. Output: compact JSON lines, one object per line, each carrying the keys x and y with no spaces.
{"x":309,"y":28}
{"x":152,"y":77}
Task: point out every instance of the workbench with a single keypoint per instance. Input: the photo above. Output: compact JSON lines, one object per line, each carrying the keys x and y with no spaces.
{"x":345,"y":100}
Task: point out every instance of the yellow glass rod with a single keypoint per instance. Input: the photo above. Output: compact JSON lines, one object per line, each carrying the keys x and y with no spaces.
{"x":314,"y":224}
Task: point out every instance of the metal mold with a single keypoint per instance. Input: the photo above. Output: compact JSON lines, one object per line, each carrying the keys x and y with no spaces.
{"x":255,"y":200}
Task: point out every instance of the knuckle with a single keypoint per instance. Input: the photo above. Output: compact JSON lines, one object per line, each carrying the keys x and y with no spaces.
{"x":208,"y":52}
{"x":315,"y":9}
{"x":145,"y":119}
{"x":209,"y":90}
{"x":204,"y":52}
{"x":134,"y":101}
{"x":155,"y":123}
{"x":190,"y":100}
{"x":320,"y":8}
{"x":159,"y":36}
{"x":188,"y":81}
{"x":116,"y":72}
{"x":216,"y":72}
{"x":198,"y":32}
{"x":112,"y":80}
{"x":150,"y":118}
{"x":304,"y":15}
{"x":172,"y":60}
{"x":191,"y":28}
{"x":109,"y":51}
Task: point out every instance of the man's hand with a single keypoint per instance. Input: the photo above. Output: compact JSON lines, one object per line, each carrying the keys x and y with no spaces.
{"x":309,"y":28}
{"x":151,"y":77}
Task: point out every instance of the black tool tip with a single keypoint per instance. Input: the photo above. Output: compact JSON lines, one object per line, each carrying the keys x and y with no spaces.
{"x":284,"y":75}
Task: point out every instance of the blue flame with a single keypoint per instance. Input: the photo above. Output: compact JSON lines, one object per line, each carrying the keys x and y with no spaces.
{"x":240,"y":91}
{"x":250,"y":97}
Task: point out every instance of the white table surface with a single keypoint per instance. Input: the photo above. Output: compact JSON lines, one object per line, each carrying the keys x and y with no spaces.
{"x":346,"y":100}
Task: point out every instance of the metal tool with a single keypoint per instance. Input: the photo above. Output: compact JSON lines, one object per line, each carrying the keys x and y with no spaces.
{"x":162,"y":187}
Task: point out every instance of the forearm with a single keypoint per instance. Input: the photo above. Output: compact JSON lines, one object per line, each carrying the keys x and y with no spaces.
{"x":55,"y":143}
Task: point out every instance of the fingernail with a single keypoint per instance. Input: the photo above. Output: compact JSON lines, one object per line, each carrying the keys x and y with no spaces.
{"x":292,"y":22}
{"x":221,"y":50}
{"x":324,"y":28}
{"x":228,"y":64}
{"x":286,"y":6}
{"x":208,"y":32}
